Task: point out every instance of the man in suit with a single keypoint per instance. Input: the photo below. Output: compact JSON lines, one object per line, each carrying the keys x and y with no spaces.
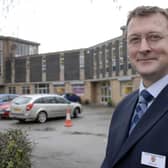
{"x":138,"y":133}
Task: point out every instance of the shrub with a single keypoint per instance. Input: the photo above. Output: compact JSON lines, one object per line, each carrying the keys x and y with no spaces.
{"x":110,"y":102}
{"x":86,"y":102}
{"x":15,"y":149}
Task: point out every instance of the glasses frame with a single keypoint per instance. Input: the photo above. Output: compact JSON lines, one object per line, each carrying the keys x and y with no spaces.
{"x":152,"y":39}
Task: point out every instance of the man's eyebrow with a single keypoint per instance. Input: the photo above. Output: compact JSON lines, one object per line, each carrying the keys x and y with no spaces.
{"x":132,"y":35}
{"x":138,"y":34}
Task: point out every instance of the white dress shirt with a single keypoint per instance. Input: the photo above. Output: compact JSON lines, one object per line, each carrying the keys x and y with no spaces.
{"x":155,"y":88}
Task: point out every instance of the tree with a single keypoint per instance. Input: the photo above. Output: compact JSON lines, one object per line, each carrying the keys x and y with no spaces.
{"x":6,"y":7}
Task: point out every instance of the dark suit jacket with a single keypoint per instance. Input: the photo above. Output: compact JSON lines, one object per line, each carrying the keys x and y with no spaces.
{"x":150,"y":135}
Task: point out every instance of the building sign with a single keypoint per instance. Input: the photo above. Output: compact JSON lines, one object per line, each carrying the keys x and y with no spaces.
{"x":60,"y":90}
{"x":78,"y":90}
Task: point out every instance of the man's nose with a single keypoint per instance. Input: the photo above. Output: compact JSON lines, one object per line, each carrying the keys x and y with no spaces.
{"x":144,"y":45}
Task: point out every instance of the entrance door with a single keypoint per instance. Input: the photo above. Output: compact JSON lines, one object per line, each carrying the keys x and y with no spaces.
{"x":105,"y":92}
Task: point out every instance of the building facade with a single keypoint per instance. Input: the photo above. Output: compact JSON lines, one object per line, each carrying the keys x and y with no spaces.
{"x":98,"y":74}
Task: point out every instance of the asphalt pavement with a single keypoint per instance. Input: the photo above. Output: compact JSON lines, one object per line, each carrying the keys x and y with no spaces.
{"x":80,"y":146}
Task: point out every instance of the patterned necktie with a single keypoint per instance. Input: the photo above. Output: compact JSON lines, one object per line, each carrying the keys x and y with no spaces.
{"x":141,"y":107}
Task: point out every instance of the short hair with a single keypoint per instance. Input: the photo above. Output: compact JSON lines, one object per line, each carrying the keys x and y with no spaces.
{"x":146,"y":11}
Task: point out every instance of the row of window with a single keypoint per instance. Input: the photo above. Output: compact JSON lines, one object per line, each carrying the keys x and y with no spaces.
{"x":38,"y":88}
{"x":24,"y":49}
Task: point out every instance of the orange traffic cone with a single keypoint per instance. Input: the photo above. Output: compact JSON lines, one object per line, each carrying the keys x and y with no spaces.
{"x":68,"y":122}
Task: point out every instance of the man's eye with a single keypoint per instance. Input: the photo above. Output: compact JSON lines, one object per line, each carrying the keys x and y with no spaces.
{"x":154,"y":37}
{"x":134,"y":40}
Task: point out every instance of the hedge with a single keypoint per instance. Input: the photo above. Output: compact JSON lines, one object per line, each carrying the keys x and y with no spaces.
{"x":15,"y":149}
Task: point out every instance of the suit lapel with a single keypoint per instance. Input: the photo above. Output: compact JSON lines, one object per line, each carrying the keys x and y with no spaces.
{"x":121,"y":124}
{"x":153,"y":114}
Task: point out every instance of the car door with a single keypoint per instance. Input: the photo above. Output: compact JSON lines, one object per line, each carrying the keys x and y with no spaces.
{"x":62,"y":105}
{"x":51,"y":107}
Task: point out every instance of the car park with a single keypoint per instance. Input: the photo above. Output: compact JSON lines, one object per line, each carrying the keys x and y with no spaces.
{"x":40,"y":107}
{"x":5,"y":101}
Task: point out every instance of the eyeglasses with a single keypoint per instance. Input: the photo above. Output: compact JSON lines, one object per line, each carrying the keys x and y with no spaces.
{"x":151,"y":38}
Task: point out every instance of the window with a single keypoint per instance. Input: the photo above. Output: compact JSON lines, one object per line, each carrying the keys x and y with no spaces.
{"x":11,"y":97}
{"x":39,"y":101}
{"x":51,"y":100}
{"x":121,"y":60}
{"x":105,"y":92}
{"x":43,"y":64}
{"x":113,"y":59}
{"x":24,"y":49}
{"x":61,"y":100}
{"x":22,"y":100}
{"x":82,"y":60}
{"x":46,"y":100}
{"x":26,"y":90}
{"x":11,"y":89}
{"x":42,"y":88}
{"x":61,"y":59}
{"x":4,"y":99}
{"x":126,"y":87}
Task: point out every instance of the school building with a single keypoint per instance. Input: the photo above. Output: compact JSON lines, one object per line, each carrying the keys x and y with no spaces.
{"x":98,"y":74}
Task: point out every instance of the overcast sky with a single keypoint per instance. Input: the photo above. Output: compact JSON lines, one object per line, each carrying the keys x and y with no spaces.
{"x":67,"y":24}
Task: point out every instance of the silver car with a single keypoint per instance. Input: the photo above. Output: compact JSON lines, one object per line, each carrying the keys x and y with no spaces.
{"x":41,"y":107}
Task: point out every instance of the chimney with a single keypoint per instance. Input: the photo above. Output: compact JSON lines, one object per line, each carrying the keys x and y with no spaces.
{"x":123,"y":28}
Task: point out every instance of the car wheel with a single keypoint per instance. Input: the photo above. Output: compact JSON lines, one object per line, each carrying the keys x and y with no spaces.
{"x":42,"y":117}
{"x":76,"y":112}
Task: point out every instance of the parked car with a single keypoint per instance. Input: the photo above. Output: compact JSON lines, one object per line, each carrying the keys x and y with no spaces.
{"x":72,"y":97}
{"x":7,"y":97}
{"x":5,"y":101}
{"x":41,"y":107}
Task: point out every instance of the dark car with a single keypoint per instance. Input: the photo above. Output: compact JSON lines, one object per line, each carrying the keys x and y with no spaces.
{"x":72,"y":97}
{"x":5,"y":101}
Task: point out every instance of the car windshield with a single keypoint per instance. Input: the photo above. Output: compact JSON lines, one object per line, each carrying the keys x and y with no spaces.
{"x":21,"y":100}
{"x":3,"y":98}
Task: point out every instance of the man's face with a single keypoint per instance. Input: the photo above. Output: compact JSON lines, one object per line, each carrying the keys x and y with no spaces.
{"x":147,"y":42}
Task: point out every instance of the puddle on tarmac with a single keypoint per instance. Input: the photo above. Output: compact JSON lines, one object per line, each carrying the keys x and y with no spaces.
{"x":44,"y":129}
{"x":86,"y":133}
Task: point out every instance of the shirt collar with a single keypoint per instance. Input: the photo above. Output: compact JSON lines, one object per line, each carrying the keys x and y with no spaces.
{"x":156,"y":87}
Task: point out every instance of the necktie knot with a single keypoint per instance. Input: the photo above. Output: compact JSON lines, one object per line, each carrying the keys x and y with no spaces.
{"x":145,"y":97}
